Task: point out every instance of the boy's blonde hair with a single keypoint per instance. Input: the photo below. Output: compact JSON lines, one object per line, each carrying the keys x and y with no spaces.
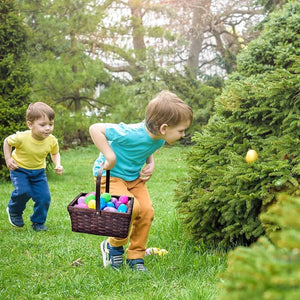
{"x":166,"y":108}
{"x":39,"y":110}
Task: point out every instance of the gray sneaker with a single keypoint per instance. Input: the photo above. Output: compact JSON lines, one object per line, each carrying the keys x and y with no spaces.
{"x":15,"y":219}
{"x":136,"y":264}
{"x":112,"y":256}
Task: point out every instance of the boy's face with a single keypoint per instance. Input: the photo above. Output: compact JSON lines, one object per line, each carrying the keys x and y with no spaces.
{"x":172,"y":134}
{"x":41,"y":128}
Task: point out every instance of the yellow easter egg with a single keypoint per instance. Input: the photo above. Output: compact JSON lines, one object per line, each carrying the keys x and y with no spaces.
{"x":251,"y":156}
{"x":92,"y":204}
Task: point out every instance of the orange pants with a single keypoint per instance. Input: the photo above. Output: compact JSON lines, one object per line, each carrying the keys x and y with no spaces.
{"x":142,"y":214}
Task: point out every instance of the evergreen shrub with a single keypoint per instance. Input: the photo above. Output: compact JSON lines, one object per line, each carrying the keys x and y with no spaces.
{"x":15,"y":75}
{"x":223,"y":195}
{"x":269,"y":269}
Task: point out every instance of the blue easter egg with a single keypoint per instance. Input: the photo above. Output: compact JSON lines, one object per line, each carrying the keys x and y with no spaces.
{"x":110,"y":204}
{"x":102,"y":203}
{"x":122,"y":208}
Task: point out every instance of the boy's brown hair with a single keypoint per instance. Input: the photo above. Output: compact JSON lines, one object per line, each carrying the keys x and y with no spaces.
{"x":166,"y":108}
{"x":39,"y":110}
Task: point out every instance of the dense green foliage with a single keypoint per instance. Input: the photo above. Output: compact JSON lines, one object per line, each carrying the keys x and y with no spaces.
{"x":14,"y":75}
{"x":276,"y":47}
{"x":269,"y":269}
{"x":223,"y":195}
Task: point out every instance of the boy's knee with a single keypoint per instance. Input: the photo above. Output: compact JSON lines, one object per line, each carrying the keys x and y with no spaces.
{"x":22,"y":193}
{"x":147,"y":212}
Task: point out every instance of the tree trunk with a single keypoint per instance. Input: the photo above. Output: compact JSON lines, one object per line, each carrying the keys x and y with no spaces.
{"x":200,"y":13}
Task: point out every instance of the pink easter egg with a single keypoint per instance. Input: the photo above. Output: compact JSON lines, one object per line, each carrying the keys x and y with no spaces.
{"x":123,"y":199}
{"x":82,"y":205}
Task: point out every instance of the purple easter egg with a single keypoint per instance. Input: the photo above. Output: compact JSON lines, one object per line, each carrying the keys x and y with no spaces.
{"x":81,"y":199}
{"x":117,"y":204}
{"x":110,"y":209}
{"x":114,"y":200}
{"x":123,"y":199}
{"x":122,"y":208}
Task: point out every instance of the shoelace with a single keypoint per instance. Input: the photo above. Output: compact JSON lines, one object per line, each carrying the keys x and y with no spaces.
{"x":116,"y":260}
{"x":140,"y":267}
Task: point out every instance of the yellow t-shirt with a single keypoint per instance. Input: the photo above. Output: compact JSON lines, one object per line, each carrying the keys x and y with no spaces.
{"x":30,"y":153}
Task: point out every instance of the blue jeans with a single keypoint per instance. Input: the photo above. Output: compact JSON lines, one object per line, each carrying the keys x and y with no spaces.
{"x":30,"y":184}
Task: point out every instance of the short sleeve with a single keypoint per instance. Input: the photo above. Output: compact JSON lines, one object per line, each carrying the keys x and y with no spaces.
{"x":13,"y":140}
{"x":54,"y":147}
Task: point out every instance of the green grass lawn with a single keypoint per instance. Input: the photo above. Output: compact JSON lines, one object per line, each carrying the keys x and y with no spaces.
{"x":40,"y":265}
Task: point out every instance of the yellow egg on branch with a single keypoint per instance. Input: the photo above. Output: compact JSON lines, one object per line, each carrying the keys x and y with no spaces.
{"x":251,"y":156}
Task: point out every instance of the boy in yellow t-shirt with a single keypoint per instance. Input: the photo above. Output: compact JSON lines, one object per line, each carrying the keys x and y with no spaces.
{"x":27,"y":163}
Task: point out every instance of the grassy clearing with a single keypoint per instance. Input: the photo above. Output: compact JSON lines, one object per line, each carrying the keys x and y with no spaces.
{"x":41,"y":265}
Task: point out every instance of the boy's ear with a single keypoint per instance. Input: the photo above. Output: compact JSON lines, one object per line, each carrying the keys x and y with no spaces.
{"x":163,"y":129}
{"x":29,"y":124}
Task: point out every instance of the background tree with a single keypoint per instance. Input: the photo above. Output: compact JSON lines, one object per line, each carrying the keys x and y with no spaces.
{"x":259,"y":108}
{"x":14,"y":74}
{"x":64,"y":72}
{"x":215,"y":33}
{"x":164,"y":32}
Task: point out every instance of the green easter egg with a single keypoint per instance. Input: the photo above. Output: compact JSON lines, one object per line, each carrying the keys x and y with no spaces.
{"x":106,"y":196}
{"x":88,"y":198}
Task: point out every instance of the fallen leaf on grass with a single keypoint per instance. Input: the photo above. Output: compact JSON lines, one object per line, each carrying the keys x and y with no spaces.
{"x":77,"y":263}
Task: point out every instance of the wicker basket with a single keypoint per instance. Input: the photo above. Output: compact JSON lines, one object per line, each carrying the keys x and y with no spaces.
{"x":100,"y":222}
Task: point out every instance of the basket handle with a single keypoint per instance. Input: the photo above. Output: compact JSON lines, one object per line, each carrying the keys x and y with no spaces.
{"x":98,"y":185}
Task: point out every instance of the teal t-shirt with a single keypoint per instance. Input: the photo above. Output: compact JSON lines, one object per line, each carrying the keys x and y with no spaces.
{"x":131,"y":145}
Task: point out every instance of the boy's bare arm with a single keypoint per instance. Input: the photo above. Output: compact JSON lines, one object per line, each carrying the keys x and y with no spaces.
{"x":97,"y":132}
{"x":57,"y":166}
{"x":10,"y":162}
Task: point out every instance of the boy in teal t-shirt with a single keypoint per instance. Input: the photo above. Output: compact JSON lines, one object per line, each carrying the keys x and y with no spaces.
{"x":127,"y":150}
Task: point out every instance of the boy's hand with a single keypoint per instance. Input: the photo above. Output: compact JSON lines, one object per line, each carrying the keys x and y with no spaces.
{"x":147,"y":172}
{"x":11,"y":164}
{"x":59,"y":170}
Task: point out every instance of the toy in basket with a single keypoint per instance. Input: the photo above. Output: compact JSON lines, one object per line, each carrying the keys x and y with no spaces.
{"x":97,"y":221}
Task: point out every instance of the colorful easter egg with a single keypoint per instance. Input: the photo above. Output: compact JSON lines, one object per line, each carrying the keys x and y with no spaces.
{"x":122,"y":208}
{"x":110,"y":209}
{"x":106,"y":196}
{"x":92,"y":204}
{"x":123,"y":199}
